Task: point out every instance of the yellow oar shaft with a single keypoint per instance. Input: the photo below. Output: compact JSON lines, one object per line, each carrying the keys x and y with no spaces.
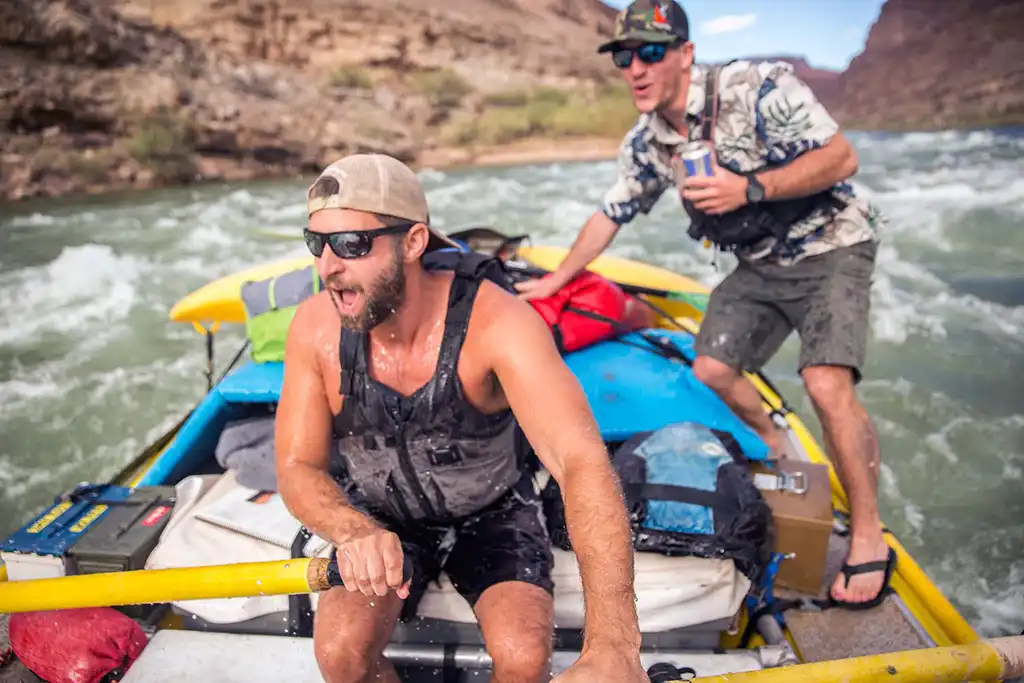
{"x":283,"y":577}
{"x":982,"y":660}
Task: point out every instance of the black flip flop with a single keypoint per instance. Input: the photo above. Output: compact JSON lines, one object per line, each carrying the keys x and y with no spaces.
{"x":848,"y":570}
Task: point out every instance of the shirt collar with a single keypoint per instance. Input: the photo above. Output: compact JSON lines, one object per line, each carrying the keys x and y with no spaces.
{"x":695,"y":98}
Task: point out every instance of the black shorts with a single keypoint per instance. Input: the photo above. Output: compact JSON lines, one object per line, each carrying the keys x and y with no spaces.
{"x":825,"y":298}
{"x":506,"y":541}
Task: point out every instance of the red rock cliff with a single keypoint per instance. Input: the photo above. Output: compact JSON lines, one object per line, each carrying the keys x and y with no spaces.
{"x":931,"y":64}
{"x":98,"y":95}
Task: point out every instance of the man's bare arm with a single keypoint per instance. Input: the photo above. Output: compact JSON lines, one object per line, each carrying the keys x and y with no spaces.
{"x":556,"y":418}
{"x":597,"y":233}
{"x":812,"y":171}
{"x":302,"y":439}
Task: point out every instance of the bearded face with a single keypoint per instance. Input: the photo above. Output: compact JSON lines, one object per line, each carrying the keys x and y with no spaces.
{"x":362,"y":305}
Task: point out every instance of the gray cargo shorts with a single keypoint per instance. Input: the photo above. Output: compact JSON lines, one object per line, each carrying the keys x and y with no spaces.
{"x":826,"y":298}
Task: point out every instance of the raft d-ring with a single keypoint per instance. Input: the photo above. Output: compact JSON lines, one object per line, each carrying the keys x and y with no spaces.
{"x":212,"y":329}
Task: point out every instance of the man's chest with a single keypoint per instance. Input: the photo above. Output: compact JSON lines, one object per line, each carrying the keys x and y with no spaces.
{"x":737,"y":149}
{"x":413,"y":373}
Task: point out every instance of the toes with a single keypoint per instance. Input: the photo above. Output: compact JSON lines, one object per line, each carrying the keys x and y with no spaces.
{"x":859,"y":590}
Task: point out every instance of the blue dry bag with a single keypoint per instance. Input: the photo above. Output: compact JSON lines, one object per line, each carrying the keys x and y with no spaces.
{"x":689,"y":492}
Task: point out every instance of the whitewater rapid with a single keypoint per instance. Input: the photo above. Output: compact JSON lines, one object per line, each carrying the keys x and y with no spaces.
{"x":91,"y":370}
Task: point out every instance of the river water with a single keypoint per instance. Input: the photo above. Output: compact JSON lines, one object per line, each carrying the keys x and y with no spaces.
{"x":91,"y":369}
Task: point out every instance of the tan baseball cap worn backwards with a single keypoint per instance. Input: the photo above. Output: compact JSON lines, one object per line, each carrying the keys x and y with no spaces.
{"x":375,"y":183}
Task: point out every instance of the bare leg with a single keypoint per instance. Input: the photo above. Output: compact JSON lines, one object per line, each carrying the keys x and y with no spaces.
{"x":517,"y":622}
{"x":742,"y":397}
{"x":350,"y":632}
{"x":852,"y":445}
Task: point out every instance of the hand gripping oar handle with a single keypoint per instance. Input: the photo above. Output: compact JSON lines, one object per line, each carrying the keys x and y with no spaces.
{"x":149,"y":586}
{"x":323,"y":574}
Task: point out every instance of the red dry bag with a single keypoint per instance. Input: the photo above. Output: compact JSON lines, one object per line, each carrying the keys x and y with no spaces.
{"x":92,"y":645}
{"x":566,"y":311}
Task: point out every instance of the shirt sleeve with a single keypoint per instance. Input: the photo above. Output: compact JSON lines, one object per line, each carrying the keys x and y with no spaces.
{"x":639,"y":186}
{"x":790,"y":118}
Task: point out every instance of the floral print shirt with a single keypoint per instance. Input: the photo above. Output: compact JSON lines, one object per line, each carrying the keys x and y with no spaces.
{"x":765,"y":113}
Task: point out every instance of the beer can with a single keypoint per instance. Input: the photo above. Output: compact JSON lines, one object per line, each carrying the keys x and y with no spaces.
{"x":696,"y":160}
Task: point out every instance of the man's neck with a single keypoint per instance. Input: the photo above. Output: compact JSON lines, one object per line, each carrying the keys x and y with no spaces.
{"x":674,"y":112}
{"x":412,"y":317}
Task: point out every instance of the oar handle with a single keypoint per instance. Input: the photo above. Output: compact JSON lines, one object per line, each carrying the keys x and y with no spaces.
{"x":323,"y":573}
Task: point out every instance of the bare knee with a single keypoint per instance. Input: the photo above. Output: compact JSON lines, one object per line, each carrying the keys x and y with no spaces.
{"x":349,"y":635}
{"x":714,"y":373}
{"x":340,"y":662}
{"x":831,"y":389}
{"x":517,"y":624}
{"x":523,"y":657}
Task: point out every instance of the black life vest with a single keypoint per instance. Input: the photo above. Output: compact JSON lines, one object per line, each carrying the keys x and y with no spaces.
{"x":751,"y":223}
{"x":431,"y":456}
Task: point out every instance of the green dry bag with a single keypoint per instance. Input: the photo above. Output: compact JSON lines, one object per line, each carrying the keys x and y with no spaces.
{"x":270,"y":306}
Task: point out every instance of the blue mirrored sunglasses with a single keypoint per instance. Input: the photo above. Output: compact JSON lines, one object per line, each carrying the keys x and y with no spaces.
{"x":648,"y":53}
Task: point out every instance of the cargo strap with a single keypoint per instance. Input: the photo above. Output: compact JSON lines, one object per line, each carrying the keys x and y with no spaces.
{"x":795,"y":483}
{"x":676,"y":494}
{"x":710,"y":116}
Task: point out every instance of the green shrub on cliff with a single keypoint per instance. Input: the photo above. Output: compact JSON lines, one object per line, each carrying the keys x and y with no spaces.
{"x":163,"y":142}
{"x":350,"y":77}
{"x":545,"y":112}
{"x":444,"y":87}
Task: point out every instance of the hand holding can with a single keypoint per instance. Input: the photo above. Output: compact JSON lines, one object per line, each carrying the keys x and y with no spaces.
{"x":697,"y":160}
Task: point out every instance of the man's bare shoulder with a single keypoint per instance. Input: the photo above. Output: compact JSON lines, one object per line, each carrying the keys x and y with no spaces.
{"x":315,"y":326}
{"x":500,"y":318}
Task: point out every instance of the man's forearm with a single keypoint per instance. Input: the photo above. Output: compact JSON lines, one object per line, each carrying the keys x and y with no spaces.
{"x":316,"y":500}
{"x":598,"y":527}
{"x":811,"y":172}
{"x":594,"y":238}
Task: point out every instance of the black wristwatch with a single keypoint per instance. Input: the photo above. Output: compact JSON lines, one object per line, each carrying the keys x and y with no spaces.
{"x":755,"y":190}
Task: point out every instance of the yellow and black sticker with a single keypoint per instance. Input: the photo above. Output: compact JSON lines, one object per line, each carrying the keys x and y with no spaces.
{"x":87,"y":519}
{"x":49,"y":518}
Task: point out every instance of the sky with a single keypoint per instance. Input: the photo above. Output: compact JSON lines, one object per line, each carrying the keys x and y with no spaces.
{"x":829,"y":33}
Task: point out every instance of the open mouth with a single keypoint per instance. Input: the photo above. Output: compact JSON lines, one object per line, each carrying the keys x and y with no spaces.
{"x":641,"y":90}
{"x":348,"y":299}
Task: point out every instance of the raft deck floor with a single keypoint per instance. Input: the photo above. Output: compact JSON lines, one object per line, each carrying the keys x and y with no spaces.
{"x":840,"y":633}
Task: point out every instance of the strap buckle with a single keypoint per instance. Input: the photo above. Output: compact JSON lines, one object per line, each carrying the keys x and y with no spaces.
{"x":795,"y":483}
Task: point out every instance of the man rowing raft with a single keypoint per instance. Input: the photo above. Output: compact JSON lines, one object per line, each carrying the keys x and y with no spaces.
{"x":769,"y":181}
{"x":426,"y":379}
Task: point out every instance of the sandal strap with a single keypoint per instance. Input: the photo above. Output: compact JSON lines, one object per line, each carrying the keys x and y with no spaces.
{"x":865,"y":568}
{"x":886,"y":565}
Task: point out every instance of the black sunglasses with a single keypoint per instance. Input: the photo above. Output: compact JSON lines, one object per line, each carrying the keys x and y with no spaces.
{"x":349,"y":244}
{"x":648,"y":53}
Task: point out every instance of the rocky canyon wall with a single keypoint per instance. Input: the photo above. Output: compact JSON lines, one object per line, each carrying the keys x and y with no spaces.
{"x":930,"y":64}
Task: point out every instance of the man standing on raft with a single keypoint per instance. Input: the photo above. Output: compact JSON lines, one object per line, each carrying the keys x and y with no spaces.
{"x":775,"y":191}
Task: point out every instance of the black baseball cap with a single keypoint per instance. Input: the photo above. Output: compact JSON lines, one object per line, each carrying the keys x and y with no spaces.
{"x":649,"y":21}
